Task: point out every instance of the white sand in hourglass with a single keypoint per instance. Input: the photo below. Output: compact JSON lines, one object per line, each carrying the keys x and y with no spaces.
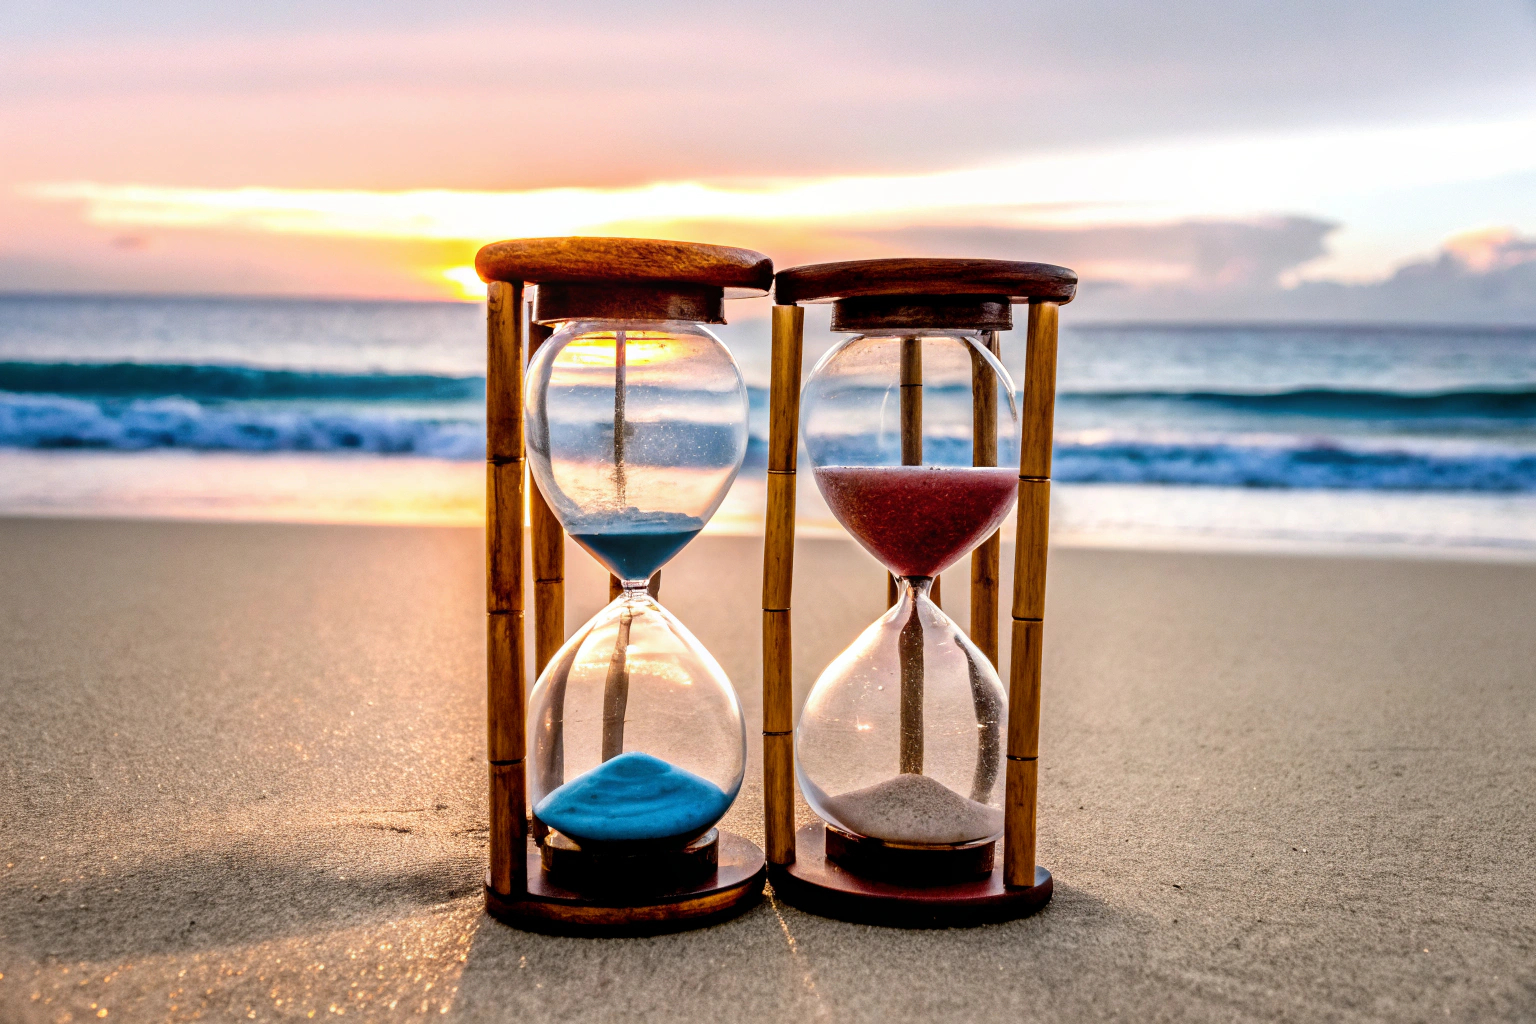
{"x":915,"y":809}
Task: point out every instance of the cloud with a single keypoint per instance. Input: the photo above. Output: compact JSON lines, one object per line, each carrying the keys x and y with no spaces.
{"x":1197,"y":255}
{"x":1239,"y":269}
{"x":1145,"y":183}
{"x":1483,"y":277}
{"x":401,"y":95}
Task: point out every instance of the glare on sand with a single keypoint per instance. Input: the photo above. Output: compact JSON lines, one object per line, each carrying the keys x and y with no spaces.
{"x":401,"y":490}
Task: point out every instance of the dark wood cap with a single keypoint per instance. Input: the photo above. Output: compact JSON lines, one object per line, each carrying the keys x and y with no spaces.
{"x":648,"y":261}
{"x":1019,"y":282}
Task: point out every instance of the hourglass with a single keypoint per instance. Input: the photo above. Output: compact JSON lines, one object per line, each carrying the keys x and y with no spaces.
{"x":908,"y":746}
{"x":607,"y":787}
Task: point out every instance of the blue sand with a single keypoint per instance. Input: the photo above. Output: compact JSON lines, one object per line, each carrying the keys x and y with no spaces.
{"x":634,"y":556}
{"x":634,"y":544}
{"x":633,"y":796}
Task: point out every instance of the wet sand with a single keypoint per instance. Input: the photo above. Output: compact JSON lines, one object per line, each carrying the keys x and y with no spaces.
{"x":244,"y":778}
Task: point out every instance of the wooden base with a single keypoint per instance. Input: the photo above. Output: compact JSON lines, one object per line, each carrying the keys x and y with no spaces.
{"x":905,"y":865}
{"x":629,"y":868}
{"x":735,"y":886}
{"x":820,"y":886}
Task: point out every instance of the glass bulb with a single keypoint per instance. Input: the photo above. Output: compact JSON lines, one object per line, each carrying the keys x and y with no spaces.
{"x":911,"y":757}
{"x":914,"y":443}
{"x":635,"y":732}
{"x":635,"y":431}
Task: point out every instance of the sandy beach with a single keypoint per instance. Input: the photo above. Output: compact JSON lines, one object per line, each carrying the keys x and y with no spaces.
{"x":244,"y":778}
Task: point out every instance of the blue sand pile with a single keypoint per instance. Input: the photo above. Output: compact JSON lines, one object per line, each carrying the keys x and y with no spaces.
{"x":633,"y":796}
{"x":634,"y":544}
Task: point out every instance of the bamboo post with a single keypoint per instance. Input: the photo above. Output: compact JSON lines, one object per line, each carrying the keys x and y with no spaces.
{"x":778,"y":579}
{"x":1029,"y":597}
{"x":986,"y":559}
{"x":548,"y":555}
{"x":505,"y":739}
{"x":911,"y":643}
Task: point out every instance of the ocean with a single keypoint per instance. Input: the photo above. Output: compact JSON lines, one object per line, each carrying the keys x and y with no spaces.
{"x":1327,"y":438}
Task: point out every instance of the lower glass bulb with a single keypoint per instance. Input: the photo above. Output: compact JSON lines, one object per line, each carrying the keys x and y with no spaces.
{"x":634,"y":732}
{"x":901,"y":738}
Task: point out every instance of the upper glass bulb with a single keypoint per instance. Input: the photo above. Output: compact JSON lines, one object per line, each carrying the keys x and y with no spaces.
{"x":635,"y":431}
{"x":921,"y":496}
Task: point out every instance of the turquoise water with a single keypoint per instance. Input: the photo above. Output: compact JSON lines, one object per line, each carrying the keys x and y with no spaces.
{"x":238,"y":407}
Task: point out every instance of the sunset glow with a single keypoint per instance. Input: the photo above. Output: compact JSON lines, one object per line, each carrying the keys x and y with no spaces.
{"x":468,"y":283}
{"x":1146,"y":184}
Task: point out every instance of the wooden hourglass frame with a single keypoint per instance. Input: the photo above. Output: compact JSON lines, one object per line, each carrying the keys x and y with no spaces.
{"x":576,"y":278}
{"x":916,"y":294}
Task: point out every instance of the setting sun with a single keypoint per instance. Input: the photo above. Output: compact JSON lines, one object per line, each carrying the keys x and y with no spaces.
{"x":467,"y":283}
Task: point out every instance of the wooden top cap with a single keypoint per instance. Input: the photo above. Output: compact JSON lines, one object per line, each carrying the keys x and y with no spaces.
{"x":634,"y":261}
{"x":1019,"y":282}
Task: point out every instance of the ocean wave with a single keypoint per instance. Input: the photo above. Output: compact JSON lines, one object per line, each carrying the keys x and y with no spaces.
{"x":235,"y":409}
{"x":222,"y":383}
{"x":1303,"y":465}
{"x":51,"y":422}
{"x":130,"y":381}
{"x":1489,"y":404}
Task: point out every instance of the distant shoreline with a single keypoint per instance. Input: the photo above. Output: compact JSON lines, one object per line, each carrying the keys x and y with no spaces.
{"x":1354,"y":326}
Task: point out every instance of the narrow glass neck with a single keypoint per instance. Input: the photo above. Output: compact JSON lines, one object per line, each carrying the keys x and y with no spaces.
{"x":635,"y":589}
{"x":919,"y":585}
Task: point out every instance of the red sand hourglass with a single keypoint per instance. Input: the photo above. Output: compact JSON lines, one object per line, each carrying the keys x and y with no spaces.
{"x":632,"y":745}
{"x":913,"y":428}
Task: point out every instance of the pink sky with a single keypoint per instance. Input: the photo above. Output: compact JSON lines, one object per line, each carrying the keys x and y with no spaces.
{"x":1320,"y":143}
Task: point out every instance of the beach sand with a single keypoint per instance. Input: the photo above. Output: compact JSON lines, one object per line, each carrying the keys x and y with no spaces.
{"x":244,"y":777}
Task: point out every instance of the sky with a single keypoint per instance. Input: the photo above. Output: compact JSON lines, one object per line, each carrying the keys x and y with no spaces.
{"x":1192,"y":159}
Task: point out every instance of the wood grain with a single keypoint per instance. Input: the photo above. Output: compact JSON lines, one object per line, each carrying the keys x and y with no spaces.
{"x":784,"y":388}
{"x":608,"y":300}
{"x":911,"y":401}
{"x":504,"y":372}
{"x":909,"y":646}
{"x":1018,"y":282}
{"x":1039,"y":411}
{"x":1019,"y":868}
{"x":545,"y":906}
{"x":506,"y":722}
{"x":821,"y":886}
{"x":1028,"y":610}
{"x":1031,"y":549}
{"x":874,"y":313}
{"x":1026,"y":653}
{"x":778,"y":677}
{"x":778,"y":582}
{"x":910,"y":865}
{"x":504,"y":496}
{"x":779,"y":776}
{"x":779,"y":542}
{"x":548,"y":549}
{"x":505,"y":708}
{"x":508,"y":820}
{"x":986,"y":559}
{"x":910,"y":640}
{"x":636,"y":260}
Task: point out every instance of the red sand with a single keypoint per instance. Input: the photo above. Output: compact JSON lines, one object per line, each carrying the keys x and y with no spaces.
{"x":918,"y":520}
